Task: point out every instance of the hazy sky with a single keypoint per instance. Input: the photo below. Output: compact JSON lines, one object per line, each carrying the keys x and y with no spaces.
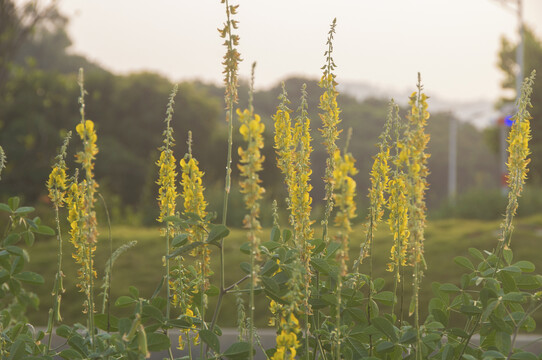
{"x":453,"y":43}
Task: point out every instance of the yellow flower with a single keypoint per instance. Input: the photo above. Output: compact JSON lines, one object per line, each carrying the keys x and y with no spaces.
{"x":287,"y":342}
{"x":192,"y":188}
{"x":417,"y":171}
{"x":398,"y":222}
{"x":345,"y":191}
{"x":293,"y":148}
{"x":251,"y":163}
{"x":194,"y":203}
{"x":57,"y":185}
{"x":167,"y":193}
{"x":283,"y":142}
{"x":195,"y":339}
{"x":88,"y":135}
{"x":80,"y":227}
{"x":330,"y":132}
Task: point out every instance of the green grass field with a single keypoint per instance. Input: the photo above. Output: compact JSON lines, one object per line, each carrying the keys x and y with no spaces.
{"x":141,"y":266}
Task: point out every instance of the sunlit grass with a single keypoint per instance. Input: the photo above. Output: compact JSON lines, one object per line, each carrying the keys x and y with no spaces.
{"x":141,"y":266}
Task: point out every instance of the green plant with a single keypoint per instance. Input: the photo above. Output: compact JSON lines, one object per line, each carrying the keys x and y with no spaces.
{"x":322,"y":305}
{"x":16,"y":334}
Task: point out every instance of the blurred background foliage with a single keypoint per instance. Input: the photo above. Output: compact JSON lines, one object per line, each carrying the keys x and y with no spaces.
{"x":38,"y":105}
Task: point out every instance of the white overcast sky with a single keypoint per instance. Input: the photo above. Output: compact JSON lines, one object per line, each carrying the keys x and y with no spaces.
{"x":453,"y":43}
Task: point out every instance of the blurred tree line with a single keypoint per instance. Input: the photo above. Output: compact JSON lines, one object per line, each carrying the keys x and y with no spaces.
{"x":39,"y":104}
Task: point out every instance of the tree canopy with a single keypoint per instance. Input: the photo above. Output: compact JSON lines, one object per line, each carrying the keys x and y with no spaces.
{"x":40,"y":104}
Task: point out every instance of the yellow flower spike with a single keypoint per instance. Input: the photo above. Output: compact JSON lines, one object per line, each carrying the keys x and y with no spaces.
{"x":398,"y":222}
{"x":57,"y":185}
{"x":194,"y":203}
{"x":250,"y":164}
{"x":345,"y":191}
{"x":167,"y":192}
{"x":518,"y":152}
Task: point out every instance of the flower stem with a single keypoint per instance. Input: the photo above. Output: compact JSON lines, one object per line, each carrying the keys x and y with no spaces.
{"x":57,"y":287}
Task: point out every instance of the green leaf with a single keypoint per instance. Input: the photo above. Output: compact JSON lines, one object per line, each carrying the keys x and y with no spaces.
{"x":101,"y":322}
{"x":179,"y":240}
{"x":470,"y":310}
{"x":158,"y":288}
{"x":217,"y":232}
{"x":508,"y":282}
{"x":78,"y":343}
{"x":24,"y":210}
{"x":321,"y":265}
{"x":463,"y":261}
{"x":245,"y":266}
{"x":212,"y":291}
{"x":409,"y":336}
{"x":385,"y":297}
{"x":15,"y":250}
{"x":385,"y":326}
{"x":385,"y":347}
{"x":152,"y":312}
{"x":523,"y":356}
{"x":238,"y":350}
{"x":516,"y":297}
{"x":476,"y":253}
{"x":525,"y":266}
{"x":492,"y":354}
{"x":286,"y":235}
{"x":332,"y":249}
{"x":269,"y":268}
{"x":503,"y":342}
{"x":270,"y":284}
{"x":447,"y":352}
{"x":440,"y":315}
{"x":318,"y":246}
{"x":508,"y":255}
{"x":17,"y":265}
{"x":275,"y":234}
{"x":210,"y":339}
{"x":4,"y":276}
{"x":186,"y":248}
{"x":449,"y":288}
{"x":12,"y":239}
{"x":29,"y":277}
{"x":378,"y":284}
{"x":17,"y":350}
{"x":459,"y":333}
{"x":124,"y":301}
{"x":63,"y":331}
{"x":158,"y":341}
{"x":29,"y":238}
{"x":70,"y":354}
{"x":245,"y":248}
{"x":271,"y":245}
{"x":174,"y":219}
{"x":331,"y":299}
{"x":434,"y":325}
{"x":13,"y":202}
{"x":5,"y":207}
{"x":529,"y":282}
{"x":357,"y":314}
{"x":512,"y":269}
{"x":134,"y":292}
{"x":182,"y":323}
{"x":44,"y":230}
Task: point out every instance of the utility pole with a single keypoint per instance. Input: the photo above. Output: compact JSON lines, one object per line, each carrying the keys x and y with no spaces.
{"x":452,"y":161}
